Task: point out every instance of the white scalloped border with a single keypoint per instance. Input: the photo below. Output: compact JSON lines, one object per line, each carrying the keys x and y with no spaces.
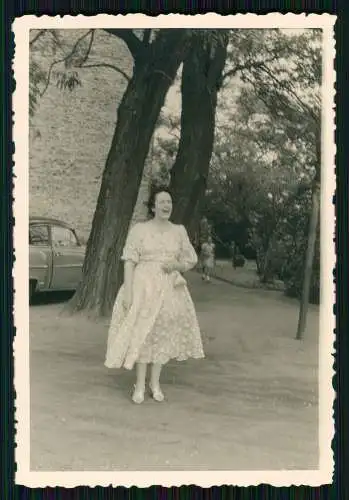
{"x":24,"y":476}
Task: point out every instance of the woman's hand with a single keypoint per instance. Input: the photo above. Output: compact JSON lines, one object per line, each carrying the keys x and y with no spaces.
{"x":128,"y":285}
{"x":127,"y":300}
{"x":170,"y":267}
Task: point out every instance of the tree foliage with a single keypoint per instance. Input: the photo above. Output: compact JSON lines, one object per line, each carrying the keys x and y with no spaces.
{"x":61,"y":59}
{"x":268,"y":156}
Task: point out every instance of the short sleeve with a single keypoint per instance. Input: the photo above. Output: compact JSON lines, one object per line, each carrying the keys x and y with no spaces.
{"x":188,"y":258}
{"x":131,"y":249}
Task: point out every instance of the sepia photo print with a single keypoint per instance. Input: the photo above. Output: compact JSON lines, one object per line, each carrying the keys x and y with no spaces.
{"x":174,"y":249}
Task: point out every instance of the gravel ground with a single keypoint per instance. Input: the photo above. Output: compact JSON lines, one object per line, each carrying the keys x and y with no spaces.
{"x":252,"y":404}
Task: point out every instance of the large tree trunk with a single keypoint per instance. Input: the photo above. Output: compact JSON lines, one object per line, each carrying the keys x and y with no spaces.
{"x":201,"y":81}
{"x":154,"y":72}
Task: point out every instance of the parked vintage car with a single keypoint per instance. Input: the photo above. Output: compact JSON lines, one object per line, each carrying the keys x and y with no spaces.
{"x":56,"y":256}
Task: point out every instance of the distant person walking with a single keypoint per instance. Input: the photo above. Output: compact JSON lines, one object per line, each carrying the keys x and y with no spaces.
{"x":207,"y":259}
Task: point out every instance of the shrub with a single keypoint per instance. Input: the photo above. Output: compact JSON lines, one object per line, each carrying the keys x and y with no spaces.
{"x":238,"y":261}
{"x":293,"y":275}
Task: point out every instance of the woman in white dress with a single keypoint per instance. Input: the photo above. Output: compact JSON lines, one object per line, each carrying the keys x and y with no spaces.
{"x":154,"y":319}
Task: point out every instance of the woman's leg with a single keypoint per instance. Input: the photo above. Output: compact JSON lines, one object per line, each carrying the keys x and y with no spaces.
{"x":141,"y":372}
{"x":204,"y":272}
{"x":155,"y":382}
{"x":206,"y":275}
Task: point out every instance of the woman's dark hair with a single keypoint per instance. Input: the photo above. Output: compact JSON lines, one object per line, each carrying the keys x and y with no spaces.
{"x":153,"y":194}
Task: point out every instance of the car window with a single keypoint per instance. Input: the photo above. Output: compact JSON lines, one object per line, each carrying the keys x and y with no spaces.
{"x":63,"y":237}
{"x":38,"y":235}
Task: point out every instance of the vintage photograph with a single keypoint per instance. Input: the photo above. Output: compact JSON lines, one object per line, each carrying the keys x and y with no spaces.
{"x":178,"y":247}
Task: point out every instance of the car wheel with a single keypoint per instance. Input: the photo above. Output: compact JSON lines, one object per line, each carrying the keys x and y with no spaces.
{"x":32,"y":288}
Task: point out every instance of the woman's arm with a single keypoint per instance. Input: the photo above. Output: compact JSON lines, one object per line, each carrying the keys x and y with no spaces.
{"x":129,"y":267}
{"x":187,"y":258}
{"x":130,"y":256}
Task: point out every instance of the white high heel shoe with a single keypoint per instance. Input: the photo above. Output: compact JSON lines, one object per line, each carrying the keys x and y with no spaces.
{"x":138,"y":395}
{"x":157,"y":394}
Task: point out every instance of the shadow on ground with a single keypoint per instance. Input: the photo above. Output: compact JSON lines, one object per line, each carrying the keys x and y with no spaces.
{"x":42,"y":299}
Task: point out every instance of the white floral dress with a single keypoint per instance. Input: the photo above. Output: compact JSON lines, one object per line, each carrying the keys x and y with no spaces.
{"x":161,"y":323}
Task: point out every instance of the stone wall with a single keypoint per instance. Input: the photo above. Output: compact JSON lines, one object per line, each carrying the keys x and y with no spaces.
{"x":70,"y":137}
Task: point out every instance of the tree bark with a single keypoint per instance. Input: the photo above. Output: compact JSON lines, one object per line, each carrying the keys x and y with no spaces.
{"x":154,"y":72}
{"x":201,"y":81}
{"x":309,"y":258}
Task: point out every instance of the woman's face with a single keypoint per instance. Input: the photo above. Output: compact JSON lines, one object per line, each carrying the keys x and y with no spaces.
{"x":163,"y":206}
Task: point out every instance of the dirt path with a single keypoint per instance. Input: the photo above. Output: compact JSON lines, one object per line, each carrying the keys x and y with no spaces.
{"x":251,"y":404}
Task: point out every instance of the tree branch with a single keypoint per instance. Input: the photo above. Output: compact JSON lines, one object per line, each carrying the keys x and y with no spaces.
{"x":160,"y":72}
{"x":65,"y":58}
{"x":90,"y":32}
{"x":48,"y":79}
{"x":56,"y":38}
{"x":262,"y":98}
{"x":248,"y":65}
{"x":134,"y":45}
{"x":89,"y":48}
{"x":36,"y":37}
{"x":291,"y":92}
{"x":106,"y":65}
{"x":146,"y":36}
